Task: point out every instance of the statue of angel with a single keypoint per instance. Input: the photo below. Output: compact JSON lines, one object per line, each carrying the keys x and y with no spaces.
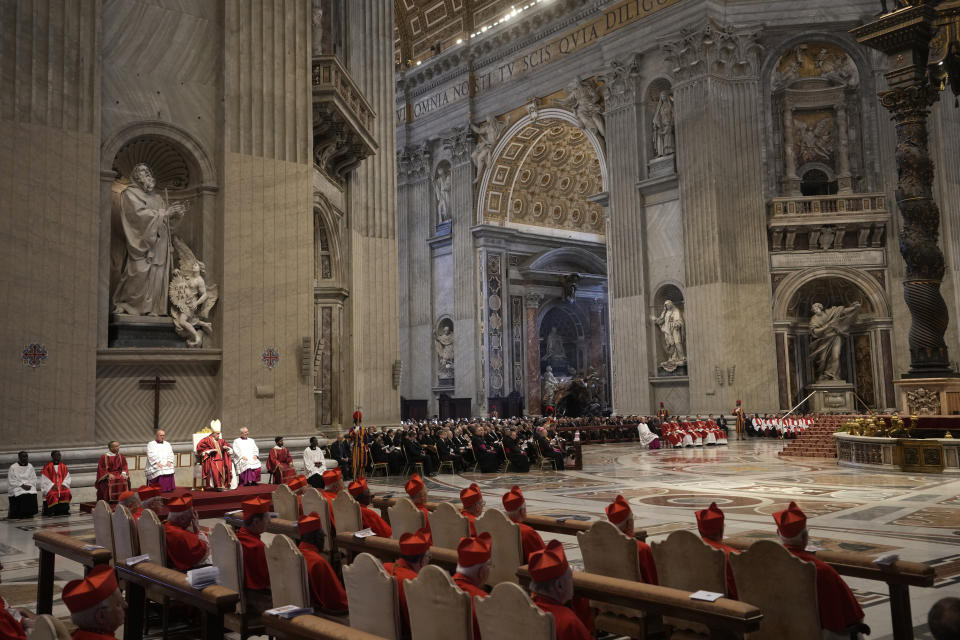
{"x":489,"y":132}
{"x":191,"y":299}
{"x":583,"y":98}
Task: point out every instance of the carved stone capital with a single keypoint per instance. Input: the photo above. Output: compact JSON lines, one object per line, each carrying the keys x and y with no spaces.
{"x":621,"y":82}
{"x":713,"y":48}
{"x":413,"y":163}
{"x":460,"y":144}
{"x":533,"y":300}
{"x":913,"y":101}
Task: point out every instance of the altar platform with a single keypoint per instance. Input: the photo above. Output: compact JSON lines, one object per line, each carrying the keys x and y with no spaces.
{"x":210,"y":504}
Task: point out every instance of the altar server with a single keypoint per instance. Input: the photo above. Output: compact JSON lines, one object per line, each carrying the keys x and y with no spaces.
{"x":161,"y":463}
{"x":246,"y":456}
{"x":22,"y":488}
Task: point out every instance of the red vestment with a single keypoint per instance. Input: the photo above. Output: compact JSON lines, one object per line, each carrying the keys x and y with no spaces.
{"x":471,"y":518}
{"x":531,"y":541}
{"x":839,"y":609}
{"x":9,"y":626}
{"x":136,"y":513}
{"x":464,"y":583}
{"x":185,"y":549}
{"x":648,"y":570}
{"x":401,"y":571}
{"x":280,"y":465}
{"x":325,"y":587}
{"x":215,"y":456}
{"x":731,"y":585}
{"x":56,"y":474}
{"x":111,"y":481}
{"x":256,"y":575}
{"x":372,"y":520}
{"x":329,"y":496}
{"x":426,"y":516}
{"x":568,"y":625}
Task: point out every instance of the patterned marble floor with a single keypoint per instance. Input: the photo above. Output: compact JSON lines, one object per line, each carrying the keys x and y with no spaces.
{"x":916,"y":516}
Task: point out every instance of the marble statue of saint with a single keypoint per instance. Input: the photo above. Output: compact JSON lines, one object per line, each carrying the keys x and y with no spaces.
{"x":583,"y":97}
{"x":550,"y":383}
{"x":828,"y":327}
{"x":663,"y":139}
{"x":191,"y":298}
{"x":489,"y":132}
{"x":147,"y":218}
{"x":441,"y":187}
{"x":671,"y":326}
{"x":555,"y":345}
{"x":444,"y":346}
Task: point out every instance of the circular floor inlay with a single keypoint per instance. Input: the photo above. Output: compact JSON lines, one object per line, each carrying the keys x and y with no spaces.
{"x":688,"y":500}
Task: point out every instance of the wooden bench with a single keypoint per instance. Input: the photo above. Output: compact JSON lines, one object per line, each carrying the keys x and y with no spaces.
{"x":274,"y":525}
{"x":213,"y":602}
{"x":899,"y":576}
{"x":59,"y":544}
{"x":725,"y":618}
{"x":387,"y":549}
{"x":309,"y":627}
{"x":560,"y":526}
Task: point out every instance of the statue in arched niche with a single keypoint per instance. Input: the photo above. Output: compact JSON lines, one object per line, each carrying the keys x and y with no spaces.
{"x":441,"y":188}
{"x":828,"y":328}
{"x":663,"y":138}
{"x":672,"y":328}
{"x":444,"y":345}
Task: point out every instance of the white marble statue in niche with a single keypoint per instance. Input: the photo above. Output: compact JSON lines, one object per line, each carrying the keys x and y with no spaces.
{"x":584,"y":99}
{"x":441,"y":188}
{"x":444,"y":342}
{"x":550,"y":383}
{"x":663,"y":138}
{"x":672,"y":328}
{"x":828,"y":328}
{"x":147,"y":219}
{"x":191,"y":298}
{"x":488,"y":133}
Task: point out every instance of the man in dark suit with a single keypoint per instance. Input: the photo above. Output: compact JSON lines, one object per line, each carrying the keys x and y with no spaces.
{"x":340,"y":451}
{"x":415,"y":454}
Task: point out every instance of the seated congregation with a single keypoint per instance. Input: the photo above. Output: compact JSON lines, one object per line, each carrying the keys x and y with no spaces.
{"x":419,"y":569}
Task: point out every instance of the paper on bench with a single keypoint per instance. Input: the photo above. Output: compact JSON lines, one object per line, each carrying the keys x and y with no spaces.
{"x":706,"y":596}
{"x":364,"y":533}
{"x":133,"y":560}
{"x":203,"y":577}
{"x":92,"y":547}
{"x":886,"y":559}
{"x":289,"y":611}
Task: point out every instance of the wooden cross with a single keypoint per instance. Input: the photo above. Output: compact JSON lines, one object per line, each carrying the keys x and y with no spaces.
{"x":155,"y":383}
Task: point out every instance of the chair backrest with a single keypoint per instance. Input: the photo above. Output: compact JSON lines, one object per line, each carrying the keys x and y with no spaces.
{"x":346,"y":513}
{"x":447,"y":526}
{"x":289,"y":582}
{"x":509,"y":608}
{"x":228,"y":557}
{"x":607,"y":551}
{"x":684,"y":561}
{"x":313,"y":502}
{"x":372,"y":597}
{"x":783,"y":586}
{"x":507,"y":550}
{"x":46,"y":627}
{"x":405,"y":517}
{"x":152,"y":537}
{"x":103,"y":526}
{"x":285,"y":503}
{"x":439,"y":609}
{"x":125,"y":537}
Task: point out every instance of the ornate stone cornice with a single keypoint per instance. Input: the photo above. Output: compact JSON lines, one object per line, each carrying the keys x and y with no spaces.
{"x":620,"y":82}
{"x":711,"y":48}
{"x":459,"y":143}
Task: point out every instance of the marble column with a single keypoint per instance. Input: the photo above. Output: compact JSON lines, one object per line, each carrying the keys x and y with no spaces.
{"x":626,"y":258}
{"x":373,"y":311}
{"x":719,"y":147}
{"x":595,"y":347}
{"x":533,"y":301}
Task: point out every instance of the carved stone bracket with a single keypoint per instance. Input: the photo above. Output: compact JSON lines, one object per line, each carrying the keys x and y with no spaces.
{"x":342,"y":120}
{"x":713,"y":48}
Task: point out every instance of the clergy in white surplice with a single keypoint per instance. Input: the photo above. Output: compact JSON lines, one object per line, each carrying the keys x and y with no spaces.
{"x":22,"y":487}
{"x":246,"y":457}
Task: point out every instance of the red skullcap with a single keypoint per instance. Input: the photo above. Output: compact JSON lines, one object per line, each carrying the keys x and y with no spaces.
{"x":80,"y":595}
{"x":414,"y":485}
{"x":513,"y":499}
{"x":415,"y":544}
{"x":791,"y":521}
{"x":474,"y":550}
{"x":471,"y":496}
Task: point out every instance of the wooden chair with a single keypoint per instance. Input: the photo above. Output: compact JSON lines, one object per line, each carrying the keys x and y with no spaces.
{"x":382,"y":466}
{"x":543,"y":461}
{"x":607,"y":551}
{"x":447,"y":464}
{"x":507,"y":550}
{"x":439,"y":610}
{"x":228,"y":557}
{"x":506,"y":458}
{"x":783,"y":586}
{"x":684,"y":561}
{"x":289,"y":583}
{"x":346,"y":513}
{"x":405,"y":517}
{"x":447,"y":526}
{"x":410,"y":467}
{"x":46,"y":627}
{"x":372,"y":598}
{"x":313,"y":502}
{"x":103,"y":526}
{"x":285,"y":503}
{"x":125,"y":537}
{"x":509,"y":608}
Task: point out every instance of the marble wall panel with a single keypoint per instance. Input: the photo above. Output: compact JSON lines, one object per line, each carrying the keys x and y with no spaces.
{"x":664,"y":244}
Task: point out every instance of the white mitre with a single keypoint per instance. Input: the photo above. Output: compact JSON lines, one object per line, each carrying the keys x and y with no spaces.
{"x":215,"y":425}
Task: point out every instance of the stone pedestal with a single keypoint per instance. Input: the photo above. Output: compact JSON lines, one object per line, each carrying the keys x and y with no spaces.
{"x":443,"y":228}
{"x":928,"y":396}
{"x":832,"y":397}
{"x":143,"y":331}
{"x":662,"y":166}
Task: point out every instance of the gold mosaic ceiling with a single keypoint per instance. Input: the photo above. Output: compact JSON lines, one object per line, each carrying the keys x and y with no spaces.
{"x":543,"y":178}
{"x":424,"y":28}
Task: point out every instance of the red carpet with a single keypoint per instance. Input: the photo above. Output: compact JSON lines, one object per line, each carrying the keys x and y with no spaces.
{"x":211,"y":504}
